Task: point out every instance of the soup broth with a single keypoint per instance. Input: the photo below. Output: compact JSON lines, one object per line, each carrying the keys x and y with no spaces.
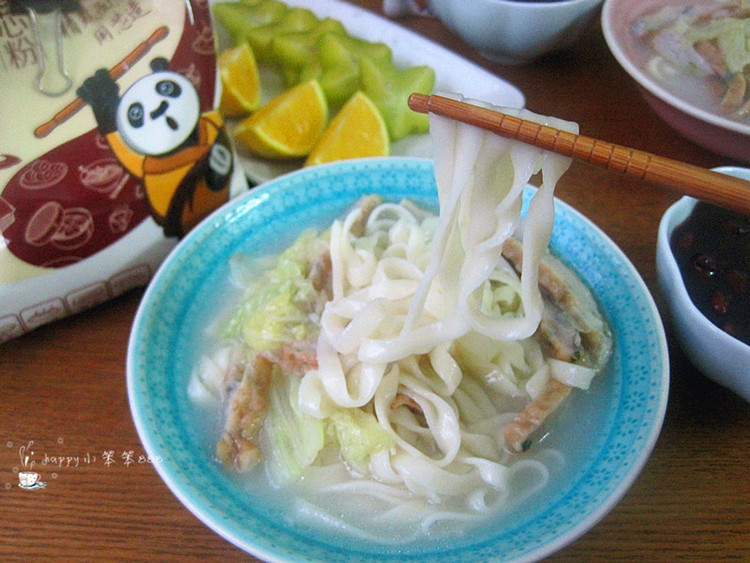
{"x":398,"y":375}
{"x":698,"y":53}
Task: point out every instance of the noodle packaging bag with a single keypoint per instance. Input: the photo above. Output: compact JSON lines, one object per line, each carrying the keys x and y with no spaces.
{"x":111,"y":148}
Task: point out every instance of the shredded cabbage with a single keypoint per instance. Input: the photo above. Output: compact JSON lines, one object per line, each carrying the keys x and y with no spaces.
{"x":292,"y":440}
{"x":276,"y":307}
{"x":359,"y":435}
{"x":732,"y":36}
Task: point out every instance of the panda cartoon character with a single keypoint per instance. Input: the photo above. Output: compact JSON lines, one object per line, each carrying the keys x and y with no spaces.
{"x":157,"y":132}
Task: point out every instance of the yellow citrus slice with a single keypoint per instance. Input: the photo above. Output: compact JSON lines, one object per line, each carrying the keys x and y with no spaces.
{"x":240,"y":81}
{"x":289,"y":125}
{"x":357,"y":130}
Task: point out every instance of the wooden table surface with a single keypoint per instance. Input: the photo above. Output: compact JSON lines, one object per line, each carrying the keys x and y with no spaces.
{"x":62,"y":386}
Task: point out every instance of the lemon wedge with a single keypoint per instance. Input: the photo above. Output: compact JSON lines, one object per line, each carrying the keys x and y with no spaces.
{"x":357,"y":130}
{"x":240,"y":81}
{"x":289,"y":125}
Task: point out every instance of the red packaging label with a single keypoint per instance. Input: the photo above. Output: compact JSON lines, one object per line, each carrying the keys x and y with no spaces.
{"x":81,"y":196}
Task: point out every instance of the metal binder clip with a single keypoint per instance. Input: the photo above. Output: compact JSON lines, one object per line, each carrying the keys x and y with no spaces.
{"x":52,"y":79}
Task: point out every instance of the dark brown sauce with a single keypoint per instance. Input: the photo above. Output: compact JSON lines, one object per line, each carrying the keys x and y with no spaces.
{"x":712,"y":249}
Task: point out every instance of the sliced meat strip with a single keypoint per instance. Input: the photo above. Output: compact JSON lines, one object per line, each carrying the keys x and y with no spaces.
{"x":238,"y":447}
{"x":518,"y":432}
{"x":735,"y":94}
{"x":559,"y":337}
{"x":366,"y":204}
{"x":571,"y":330}
{"x":736,"y":84}
{"x":296,"y":358}
{"x":711,"y":53}
{"x":321,"y":274}
{"x":402,"y":400}
{"x":321,"y":268}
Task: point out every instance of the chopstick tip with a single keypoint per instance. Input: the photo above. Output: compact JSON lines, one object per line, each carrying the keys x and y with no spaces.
{"x":419,"y":102}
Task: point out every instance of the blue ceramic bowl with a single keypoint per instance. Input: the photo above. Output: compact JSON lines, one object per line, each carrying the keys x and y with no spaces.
{"x":606,"y":444}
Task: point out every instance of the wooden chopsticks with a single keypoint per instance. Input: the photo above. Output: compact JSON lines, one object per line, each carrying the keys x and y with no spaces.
{"x":701,"y":183}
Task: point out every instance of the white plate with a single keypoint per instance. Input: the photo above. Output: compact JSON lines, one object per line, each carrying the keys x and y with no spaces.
{"x":452,"y":74}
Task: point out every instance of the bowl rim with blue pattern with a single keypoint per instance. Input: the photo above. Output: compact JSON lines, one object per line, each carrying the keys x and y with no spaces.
{"x":610,"y":430}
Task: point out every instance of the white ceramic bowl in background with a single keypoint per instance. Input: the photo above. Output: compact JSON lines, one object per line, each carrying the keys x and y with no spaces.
{"x":719,"y":134}
{"x":719,"y":356}
{"x":516,"y":32}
